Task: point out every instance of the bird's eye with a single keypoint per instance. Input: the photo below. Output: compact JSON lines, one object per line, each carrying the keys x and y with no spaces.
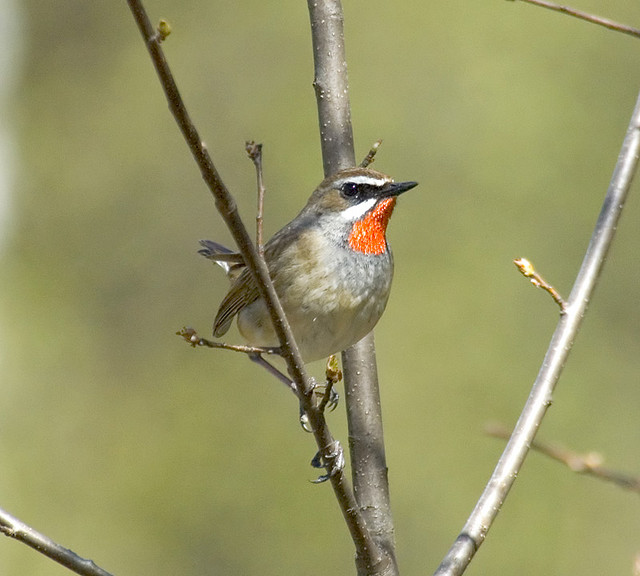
{"x":350,"y":189}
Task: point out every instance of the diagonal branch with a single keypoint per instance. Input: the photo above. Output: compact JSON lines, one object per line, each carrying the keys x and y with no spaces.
{"x":224,"y":201}
{"x":475,"y":530}
{"x":610,"y":24}
{"x":329,"y":448}
{"x":14,"y":528}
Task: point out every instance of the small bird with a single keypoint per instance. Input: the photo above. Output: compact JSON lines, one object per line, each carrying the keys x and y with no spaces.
{"x":331,"y":267}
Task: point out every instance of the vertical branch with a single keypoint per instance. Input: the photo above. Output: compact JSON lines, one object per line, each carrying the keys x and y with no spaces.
{"x":366,"y":443}
{"x":331,"y":85}
{"x":254,"y":152}
{"x":506,"y":471}
{"x":364,"y":415}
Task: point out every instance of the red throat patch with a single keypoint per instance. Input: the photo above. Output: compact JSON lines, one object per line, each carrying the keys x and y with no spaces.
{"x":368,"y":235}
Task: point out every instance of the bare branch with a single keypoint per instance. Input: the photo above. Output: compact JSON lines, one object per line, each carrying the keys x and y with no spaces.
{"x":610,"y":24}
{"x":589,"y":464}
{"x":14,"y":528}
{"x":255,"y":154}
{"x":192,"y":337}
{"x":479,"y":522}
{"x":370,"y":157}
{"x":331,"y":85}
{"x":374,"y":554}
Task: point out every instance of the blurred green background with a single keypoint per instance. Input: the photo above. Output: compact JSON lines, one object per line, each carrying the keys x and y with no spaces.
{"x":123,"y":443}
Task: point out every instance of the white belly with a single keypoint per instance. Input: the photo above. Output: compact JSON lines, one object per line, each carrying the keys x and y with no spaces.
{"x":329,"y":306}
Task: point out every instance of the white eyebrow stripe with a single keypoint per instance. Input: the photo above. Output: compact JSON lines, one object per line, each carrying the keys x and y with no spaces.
{"x":363,"y":179}
{"x":356,"y":212}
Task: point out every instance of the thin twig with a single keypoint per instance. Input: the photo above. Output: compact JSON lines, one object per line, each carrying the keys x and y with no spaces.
{"x":328,"y":447}
{"x":528,"y":271}
{"x":253,"y":352}
{"x":589,"y":464}
{"x":192,"y":337}
{"x":333,"y":376}
{"x":610,"y":24}
{"x":479,"y":522}
{"x":255,"y":154}
{"x":18,"y":530}
{"x":371,"y":155}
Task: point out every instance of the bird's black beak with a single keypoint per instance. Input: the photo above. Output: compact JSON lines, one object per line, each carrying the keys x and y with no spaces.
{"x":397,"y":188}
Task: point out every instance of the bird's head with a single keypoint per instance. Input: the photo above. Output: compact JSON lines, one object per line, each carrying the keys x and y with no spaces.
{"x":359,"y":201}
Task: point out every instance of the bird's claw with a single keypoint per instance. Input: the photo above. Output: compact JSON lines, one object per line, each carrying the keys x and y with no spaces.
{"x":333,"y":400}
{"x":304,"y":420}
{"x":331,"y":458}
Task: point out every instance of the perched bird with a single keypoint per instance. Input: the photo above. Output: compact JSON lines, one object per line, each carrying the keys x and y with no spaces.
{"x":331,"y":267}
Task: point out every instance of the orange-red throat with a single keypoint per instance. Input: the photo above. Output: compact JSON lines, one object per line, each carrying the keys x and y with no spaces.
{"x":368,"y":235}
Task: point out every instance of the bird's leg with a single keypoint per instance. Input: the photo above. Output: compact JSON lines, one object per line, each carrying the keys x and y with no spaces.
{"x":258,"y":359}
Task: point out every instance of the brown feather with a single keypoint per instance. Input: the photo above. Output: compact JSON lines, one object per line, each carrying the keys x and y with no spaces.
{"x":243,"y":292}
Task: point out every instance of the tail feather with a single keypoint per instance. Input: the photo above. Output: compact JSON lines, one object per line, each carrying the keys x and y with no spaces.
{"x":242,"y":291}
{"x":221,"y":255}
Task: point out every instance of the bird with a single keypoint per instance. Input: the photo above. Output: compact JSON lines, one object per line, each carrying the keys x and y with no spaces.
{"x":331,"y":267}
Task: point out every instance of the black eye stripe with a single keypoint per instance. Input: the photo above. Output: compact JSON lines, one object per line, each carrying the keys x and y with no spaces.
{"x":349,"y":189}
{"x":358,"y":189}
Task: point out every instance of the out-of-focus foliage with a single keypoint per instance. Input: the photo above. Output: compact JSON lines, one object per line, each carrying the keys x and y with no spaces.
{"x":123,"y":443}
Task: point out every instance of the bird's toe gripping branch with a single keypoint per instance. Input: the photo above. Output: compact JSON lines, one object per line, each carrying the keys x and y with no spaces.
{"x":331,"y":459}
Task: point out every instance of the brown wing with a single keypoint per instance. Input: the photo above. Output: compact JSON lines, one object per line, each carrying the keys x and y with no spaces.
{"x":243,"y":292}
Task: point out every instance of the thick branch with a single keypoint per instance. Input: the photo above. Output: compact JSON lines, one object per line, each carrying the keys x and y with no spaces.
{"x":331,"y":84}
{"x":506,"y":471}
{"x":366,"y":444}
{"x":364,"y":416}
{"x":14,"y":528}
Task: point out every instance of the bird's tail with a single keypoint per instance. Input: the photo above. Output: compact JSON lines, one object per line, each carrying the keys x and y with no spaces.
{"x":227,"y":259}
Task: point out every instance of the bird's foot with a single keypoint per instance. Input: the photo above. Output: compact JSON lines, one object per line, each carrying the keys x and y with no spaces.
{"x":331,"y":459}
